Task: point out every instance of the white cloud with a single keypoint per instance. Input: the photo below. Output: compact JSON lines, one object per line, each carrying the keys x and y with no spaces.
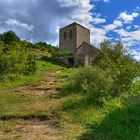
{"x":48,"y":17}
{"x":113,"y":26}
{"x":122,"y":33}
{"x":84,"y":4}
{"x":134,"y":35}
{"x":98,"y":20}
{"x":17,"y":23}
{"x":128,"y":18}
{"x":106,"y":0}
{"x":83,"y":16}
{"x":103,"y":0}
{"x":117,"y":23}
{"x":80,"y":10}
{"x":122,"y":19}
{"x":128,"y":27}
{"x":136,"y":26}
{"x":130,"y":39}
{"x":138,"y":8}
{"x":98,"y":35}
{"x":135,"y":54}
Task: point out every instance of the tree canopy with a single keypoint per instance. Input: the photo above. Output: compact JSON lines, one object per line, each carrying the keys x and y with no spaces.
{"x":9,"y":37}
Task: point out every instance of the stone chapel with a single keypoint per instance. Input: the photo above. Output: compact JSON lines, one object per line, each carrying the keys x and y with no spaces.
{"x":75,"y":38}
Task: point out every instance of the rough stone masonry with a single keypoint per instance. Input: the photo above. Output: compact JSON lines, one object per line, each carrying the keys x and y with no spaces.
{"x":75,"y":38}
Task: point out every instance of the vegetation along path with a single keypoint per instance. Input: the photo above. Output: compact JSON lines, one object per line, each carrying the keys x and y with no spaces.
{"x":32,"y":112}
{"x":40,"y":99}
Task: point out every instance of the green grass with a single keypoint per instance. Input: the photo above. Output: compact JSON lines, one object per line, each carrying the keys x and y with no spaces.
{"x":20,"y":81}
{"x":17,"y":107}
{"x":119,"y":123}
{"x":42,"y":68}
{"x":21,"y":106}
{"x":116,"y":119}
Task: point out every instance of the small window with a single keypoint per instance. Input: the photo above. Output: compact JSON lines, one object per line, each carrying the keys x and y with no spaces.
{"x":65,"y":35}
{"x":70,"y":34}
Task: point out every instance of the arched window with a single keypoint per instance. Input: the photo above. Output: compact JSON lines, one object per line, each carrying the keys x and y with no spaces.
{"x":70,"y":34}
{"x":65,"y":35}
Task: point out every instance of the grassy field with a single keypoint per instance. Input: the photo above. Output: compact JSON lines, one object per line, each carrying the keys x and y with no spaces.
{"x":117,"y":119}
{"x":32,"y":106}
{"x":42,"y":107}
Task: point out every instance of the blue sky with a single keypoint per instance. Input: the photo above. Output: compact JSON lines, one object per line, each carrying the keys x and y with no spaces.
{"x":40,"y":20}
{"x":121,"y":21}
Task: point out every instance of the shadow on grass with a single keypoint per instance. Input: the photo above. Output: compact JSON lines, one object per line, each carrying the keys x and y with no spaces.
{"x":121,"y":124}
{"x":76,"y":98}
{"x":78,"y":102}
{"x":41,"y":117}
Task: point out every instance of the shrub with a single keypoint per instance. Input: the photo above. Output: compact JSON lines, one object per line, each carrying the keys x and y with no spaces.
{"x":62,"y":53}
{"x":30,"y":65}
{"x":44,"y":46}
{"x":16,"y":61}
{"x":111,"y":75}
{"x":123,"y":69}
{"x":9,"y":37}
{"x":93,"y":81}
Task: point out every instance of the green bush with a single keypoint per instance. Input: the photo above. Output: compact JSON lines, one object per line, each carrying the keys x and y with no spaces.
{"x":16,"y":61}
{"x":123,"y":69}
{"x":93,"y":81}
{"x":62,"y":53}
{"x":135,"y":87}
{"x":44,"y":46}
{"x":9,"y":37}
{"x":30,"y":65}
{"x":112,"y":74}
{"x":15,"y":57}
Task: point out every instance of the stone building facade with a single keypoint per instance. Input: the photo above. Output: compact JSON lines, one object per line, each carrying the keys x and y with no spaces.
{"x":85,"y":54}
{"x":76,"y":39}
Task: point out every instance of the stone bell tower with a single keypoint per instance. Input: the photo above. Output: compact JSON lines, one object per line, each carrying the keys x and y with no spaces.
{"x":72,"y":36}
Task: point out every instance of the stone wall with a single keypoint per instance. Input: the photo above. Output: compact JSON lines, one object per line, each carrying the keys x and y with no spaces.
{"x":78,"y":42}
{"x":79,"y":34}
{"x":83,"y":35}
{"x":67,"y":44}
{"x":85,"y":54}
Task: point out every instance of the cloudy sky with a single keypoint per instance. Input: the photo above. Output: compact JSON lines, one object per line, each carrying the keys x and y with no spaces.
{"x":40,"y":20}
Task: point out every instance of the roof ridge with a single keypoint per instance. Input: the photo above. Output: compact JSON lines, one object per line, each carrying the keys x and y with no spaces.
{"x":75,"y":23}
{"x":87,"y":44}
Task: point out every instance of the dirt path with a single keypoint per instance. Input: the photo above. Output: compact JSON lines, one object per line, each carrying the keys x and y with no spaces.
{"x":34,"y":129}
{"x":50,"y":85}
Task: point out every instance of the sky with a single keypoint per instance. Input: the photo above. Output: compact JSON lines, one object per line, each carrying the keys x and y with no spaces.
{"x":40,"y":20}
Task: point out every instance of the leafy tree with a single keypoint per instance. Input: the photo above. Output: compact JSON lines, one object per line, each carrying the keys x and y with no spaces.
{"x":48,"y":47}
{"x":93,"y":81}
{"x":15,"y":57}
{"x":17,"y":61}
{"x":123,"y":69}
{"x":112,"y":74}
{"x":41,"y":45}
{"x":9,"y":37}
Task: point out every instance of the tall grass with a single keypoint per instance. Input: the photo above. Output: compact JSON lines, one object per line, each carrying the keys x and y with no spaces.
{"x":90,"y":101}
